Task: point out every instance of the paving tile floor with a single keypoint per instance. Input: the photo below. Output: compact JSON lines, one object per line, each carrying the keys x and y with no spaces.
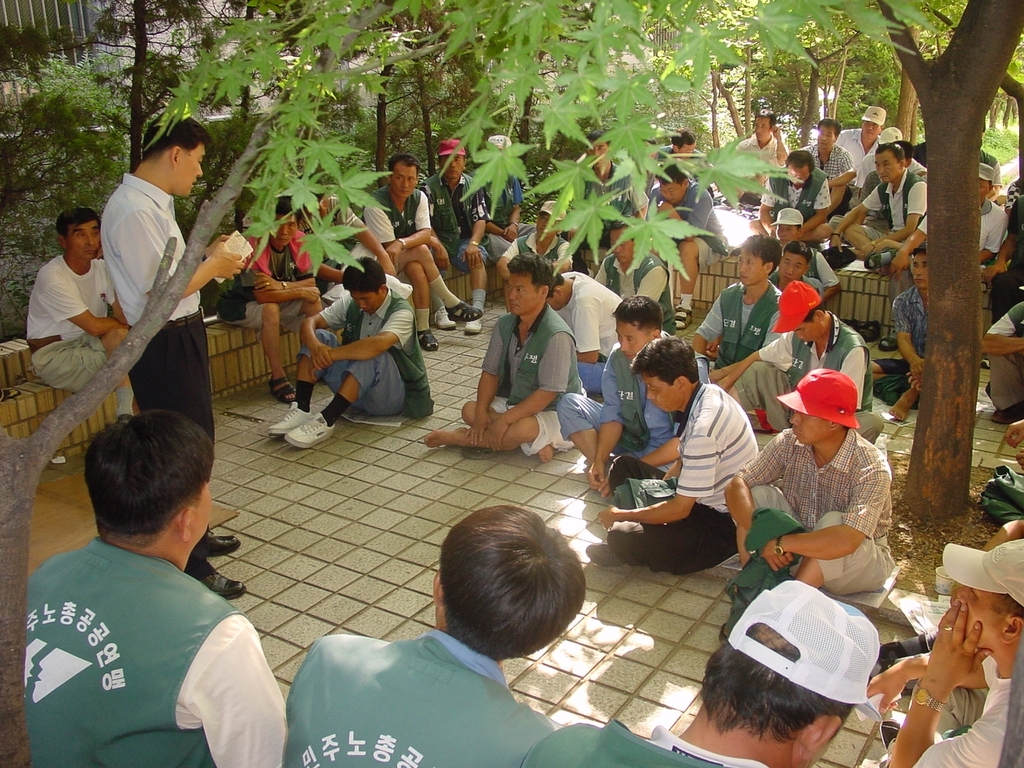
{"x":345,"y":537}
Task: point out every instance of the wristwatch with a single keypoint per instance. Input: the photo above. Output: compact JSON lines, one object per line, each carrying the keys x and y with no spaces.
{"x":922,"y":697}
{"x":778,"y":546}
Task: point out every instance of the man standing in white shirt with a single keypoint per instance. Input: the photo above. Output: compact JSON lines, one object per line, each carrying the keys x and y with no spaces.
{"x":174,"y":370}
{"x":69,"y":330}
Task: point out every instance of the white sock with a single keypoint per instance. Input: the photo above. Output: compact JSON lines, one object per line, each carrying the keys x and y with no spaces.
{"x":685,"y":301}
{"x":439,"y":289}
{"x":422,"y":319}
{"x":479,"y":298}
{"x":125,"y":397}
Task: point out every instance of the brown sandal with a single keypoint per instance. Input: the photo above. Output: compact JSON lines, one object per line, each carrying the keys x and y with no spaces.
{"x":283,"y":390}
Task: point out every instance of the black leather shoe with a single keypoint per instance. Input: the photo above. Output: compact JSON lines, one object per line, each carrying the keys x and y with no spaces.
{"x":888,"y":343}
{"x":223,"y":586}
{"x":221,"y":545}
{"x":604,"y":556}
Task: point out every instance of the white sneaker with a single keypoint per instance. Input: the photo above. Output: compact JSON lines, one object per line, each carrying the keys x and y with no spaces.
{"x":314,"y":431}
{"x":474,"y":326}
{"x":295,"y":418}
{"x":442,"y":321}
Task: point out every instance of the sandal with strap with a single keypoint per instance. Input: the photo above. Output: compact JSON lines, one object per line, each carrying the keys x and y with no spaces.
{"x":464,"y":313}
{"x":283,"y":390}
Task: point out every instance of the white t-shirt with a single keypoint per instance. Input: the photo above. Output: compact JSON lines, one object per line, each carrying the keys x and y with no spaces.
{"x":917,"y":200}
{"x":137,"y":222}
{"x":993,"y":227}
{"x":59,"y":293}
{"x":982,"y":745}
{"x":850,"y":141}
{"x":821,"y":202}
{"x":377,"y":220}
{"x":230,"y":692}
{"x":769,"y":152}
{"x":589,"y":314}
{"x":663,"y":737}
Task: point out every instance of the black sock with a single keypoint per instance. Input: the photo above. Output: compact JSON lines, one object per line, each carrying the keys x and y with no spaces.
{"x":334,"y":409}
{"x":303,"y":394}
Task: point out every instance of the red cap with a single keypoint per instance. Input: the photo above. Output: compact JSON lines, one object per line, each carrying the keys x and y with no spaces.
{"x":796,"y":301}
{"x":449,"y":146}
{"x":827,"y":394}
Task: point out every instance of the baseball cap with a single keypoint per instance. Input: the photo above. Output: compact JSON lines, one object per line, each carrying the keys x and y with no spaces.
{"x":548,"y":208}
{"x":826,"y":394}
{"x":449,"y":146}
{"x":890,"y":134}
{"x":1000,"y":571}
{"x":795,"y":302}
{"x":874,"y":115}
{"x":987,"y":172}
{"x":836,"y":644}
{"x":500,"y":141}
{"x":790,"y":216}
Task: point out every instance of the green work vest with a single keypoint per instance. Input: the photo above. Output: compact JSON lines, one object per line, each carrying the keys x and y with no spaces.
{"x":612,"y":281}
{"x":635,"y":432}
{"x":402,"y":222}
{"x":1016,"y":316}
{"x":503,"y":209}
{"x":883,"y":196}
{"x":442,"y":214}
{"x":110,"y":636}
{"x":411,"y":367}
{"x":523,"y":248}
{"x":809,"y":193}
{"x":548,"y":323}
{"x":844,"y":342}
{"x":739,"y":343}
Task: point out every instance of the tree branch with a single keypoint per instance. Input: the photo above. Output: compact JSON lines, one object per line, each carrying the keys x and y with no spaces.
{"x":907,"y":49}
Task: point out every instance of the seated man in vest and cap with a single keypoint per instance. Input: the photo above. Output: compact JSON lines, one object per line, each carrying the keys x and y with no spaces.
{"x":804,"y":189}
{"x":812,"y":268}
{"x":544,"y":241}
{"x":400,"y":219}
{"x":588,"y":308}
{"x":377,"y":368}
{"x":680,"y":197}
{"x":504,"y":227}
{"x":506,"y":586}
{"x":144,"y":665}
{"x":529,"y":365}
{"x":690,"y":530}
{"x":649,"y":277}
{"x":627,"y":422}
{"x":773,"y":694}
{"x":811,"y":338}
{"x":832,"y":480}
{"x":742,"y":318}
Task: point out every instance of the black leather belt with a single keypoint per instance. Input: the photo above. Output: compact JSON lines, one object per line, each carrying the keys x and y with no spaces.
{"x":197,"y":315}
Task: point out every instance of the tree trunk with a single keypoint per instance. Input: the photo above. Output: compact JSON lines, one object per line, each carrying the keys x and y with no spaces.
{"x":906,"y":110}
{"x":993,"y":115}
{"x":840,"y":78}
{"x":381,"y":156}
{"x":524,"y":120}
{"x":748,"y":115}
{"x":136,"y":113}
{"x":428,"y":136}
{"x":737,"y":123}
{"x":976,"y":59}
{"x":1008,"y":110}
{"x":716,"y":139}
{"x":812,"y":104}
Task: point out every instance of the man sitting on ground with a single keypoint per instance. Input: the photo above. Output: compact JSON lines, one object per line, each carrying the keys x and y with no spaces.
{"x":680,"y":197}
{"x":70,"y":332}
{"x":649,"y":278}
{"x":692,"y":530}
{"x":910,"y":321}
{"x":544,"y":241}
{"x":773,"y":695}
{"x":801,"y":261}
{"x":506,"y":586}
{"x":400,"y":219}
{"x":146,"y":666}
{"x":1004,"y":345}
{"x":741,"y":319}
{"x":811,"y":338}
{"x":832,"y":480}
{"x":588,"y":308}
{"x":529,"y":365}
{"x":377,"y":368}
{"x":805,"y":190}
{"x":975,"y":647}
{"x":627,"y":423}
{"x":459,"y":218}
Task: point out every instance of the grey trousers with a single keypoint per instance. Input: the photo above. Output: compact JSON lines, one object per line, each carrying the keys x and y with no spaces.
{"x":1006,"y":380}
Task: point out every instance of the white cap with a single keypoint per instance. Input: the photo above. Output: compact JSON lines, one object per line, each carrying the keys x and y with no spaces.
{"x":1000,"y":571}
{"x":890,"y":134}
{"x":789,"y":216}
{"x":987,"y":172}
{"x":500,"y":141}
{"x":836,"y":644}
{"x":874,"y":115}
{"x":548,"y":207}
